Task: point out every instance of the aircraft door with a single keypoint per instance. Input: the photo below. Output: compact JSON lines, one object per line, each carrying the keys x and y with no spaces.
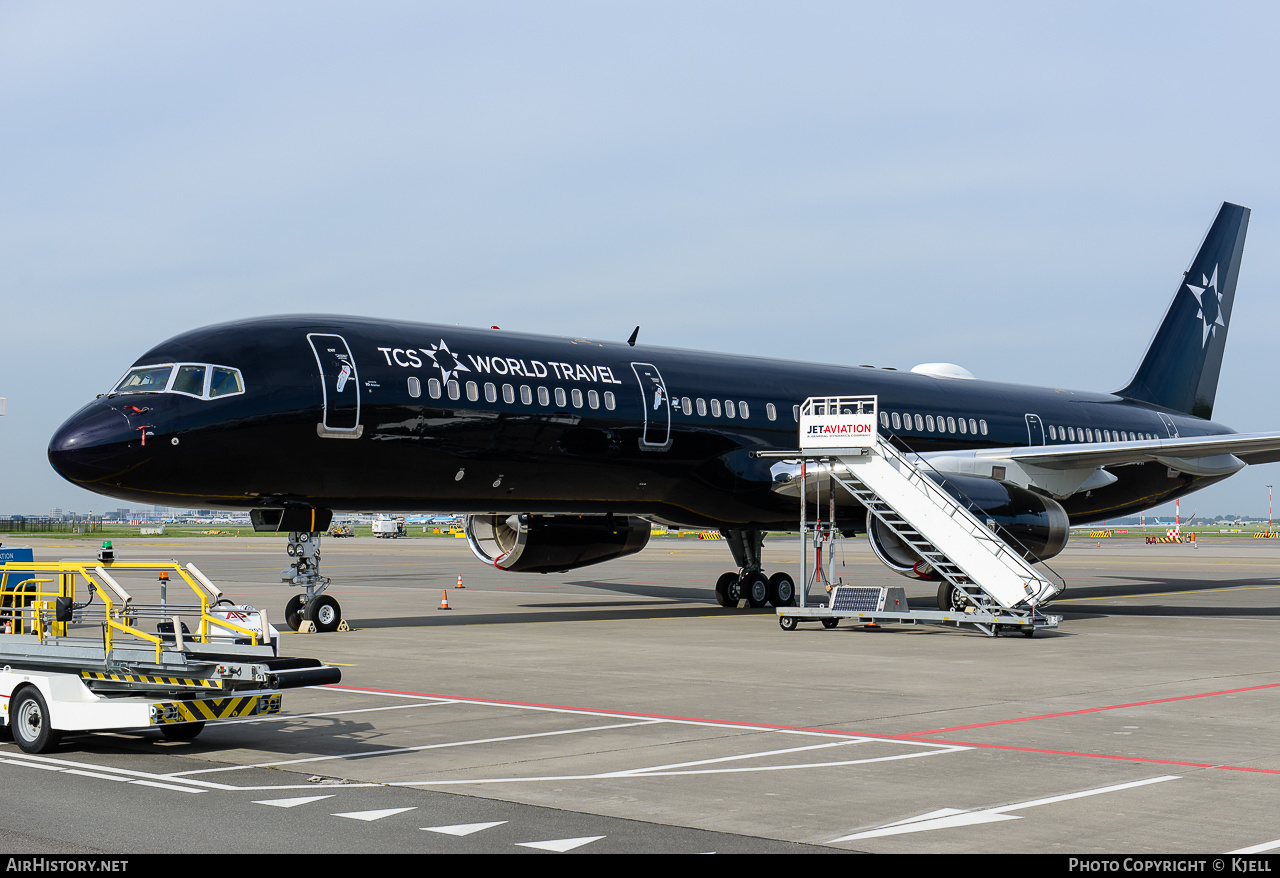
{"x":656,"y":405}
{"x":1169,"y":425}
{"x":1035,"y":430}
{"x":340,"y":384}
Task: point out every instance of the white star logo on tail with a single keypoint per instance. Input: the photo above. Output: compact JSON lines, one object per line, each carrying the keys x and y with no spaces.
{"x":1210,"y":285}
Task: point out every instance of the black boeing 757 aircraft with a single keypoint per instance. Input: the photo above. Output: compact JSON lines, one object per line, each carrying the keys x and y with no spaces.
{"x":563,"y":450}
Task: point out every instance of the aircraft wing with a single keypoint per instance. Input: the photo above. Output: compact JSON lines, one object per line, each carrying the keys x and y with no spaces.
{"x":1250,"y":448}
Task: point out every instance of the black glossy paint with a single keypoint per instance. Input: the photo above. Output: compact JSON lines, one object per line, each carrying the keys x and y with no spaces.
{"x":264,"y":448}
{"x":330,"y":419}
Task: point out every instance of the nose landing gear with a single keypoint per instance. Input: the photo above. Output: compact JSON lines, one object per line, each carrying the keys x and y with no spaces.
{"x":321,"y":610}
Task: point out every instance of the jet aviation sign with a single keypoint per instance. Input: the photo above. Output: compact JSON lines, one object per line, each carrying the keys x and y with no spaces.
{"x":837,"y":431}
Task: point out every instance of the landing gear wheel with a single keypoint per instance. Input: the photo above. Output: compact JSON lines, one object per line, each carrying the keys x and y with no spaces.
{"x":293,"y":612}
{"x":787,"y":623}
{"x":324,"y":612}
{"x":830,"y":623}
{"x":725,"y":586}
{"x":757,"y":590}
{"x":29,"y":719}
{"x":182,"y":731}
{"x":951,"y":599}
{"x":782,"y":590}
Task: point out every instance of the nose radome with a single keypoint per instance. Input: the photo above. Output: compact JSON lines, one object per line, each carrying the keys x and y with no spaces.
{"x":92,"y":443}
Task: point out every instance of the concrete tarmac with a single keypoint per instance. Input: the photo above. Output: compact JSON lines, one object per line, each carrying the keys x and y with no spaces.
{"x":619,"y":708}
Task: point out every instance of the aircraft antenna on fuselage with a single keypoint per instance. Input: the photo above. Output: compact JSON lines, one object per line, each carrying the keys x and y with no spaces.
{"x":634,"y":333}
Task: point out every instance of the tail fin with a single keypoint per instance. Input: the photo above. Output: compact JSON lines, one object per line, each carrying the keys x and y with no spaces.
{"x":1180,"y":370}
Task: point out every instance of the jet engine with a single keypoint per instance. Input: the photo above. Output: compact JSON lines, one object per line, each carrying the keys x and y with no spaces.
{"x":1035,"y":525}
{"x":551,"y":543}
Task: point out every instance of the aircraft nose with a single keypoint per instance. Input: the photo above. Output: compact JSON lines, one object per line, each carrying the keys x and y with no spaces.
{"x":94,"y":442}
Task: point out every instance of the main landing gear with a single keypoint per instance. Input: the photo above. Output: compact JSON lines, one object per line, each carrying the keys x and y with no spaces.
{"x":315,"y":606}
{"x":750,"y":582}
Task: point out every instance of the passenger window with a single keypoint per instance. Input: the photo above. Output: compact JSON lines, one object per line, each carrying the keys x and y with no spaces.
{"x":951,"y":425}
{"x":454,"y":390}
{"x":928,"y":423}
{"x":702,"y":408}
{"x":544,"y":398}
{"x":963,"y":427}
{"x":189,"y":380}
{"x":919,"y":424}
{"x":1053,"y":432}
{"x":415,"y":388}
{"x":433,"y":388}
{"x":771,"y":411}
{"x":982,"y":426}
{"x":508,"y":394}
{"x":973,"y":426}
{"x":884,"y":420}
{"x":576,"y":396}
{"x":593,"y":399}
{"x":715,"y":408}
{"x":561,"y":400}
{"x":897,"y":421}
{"x":224,"y":382}
{"x":473,"y":391}
{"x":742,"y":409}
{"x":526,"y":394}
{"x":609,"y":401}
{"x":490,"y":392}
{"x":730,"y":410}
{"x":795,"y":413}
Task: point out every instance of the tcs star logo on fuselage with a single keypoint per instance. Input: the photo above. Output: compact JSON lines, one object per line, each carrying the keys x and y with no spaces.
{"x":445,"y":360}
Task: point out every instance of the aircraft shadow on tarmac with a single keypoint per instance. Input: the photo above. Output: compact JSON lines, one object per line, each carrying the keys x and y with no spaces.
{"x":664,"y":602}
{"x":1151,"y":589}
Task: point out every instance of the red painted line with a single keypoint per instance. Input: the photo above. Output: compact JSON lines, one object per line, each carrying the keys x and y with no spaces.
{"x":1001,"y":722}
{"x":908,"y":736}
{"x":1143,"y":759}
{"x":620,"y":713}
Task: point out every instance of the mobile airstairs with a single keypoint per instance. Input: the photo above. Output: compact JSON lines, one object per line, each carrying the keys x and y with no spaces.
{"x":80,"y":652}
{"x":992,"y":586}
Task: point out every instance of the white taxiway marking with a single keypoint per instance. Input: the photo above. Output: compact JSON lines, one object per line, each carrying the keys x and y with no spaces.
{"x":463,"y":828}
{"x":560,"y":845}
{"x":364,"y":754}
{"x":946,"y":818}
{"x":369,"y":816}
{"x":1258,"y":848}
{"x":292,"y":803}
{"x":47,"y":763}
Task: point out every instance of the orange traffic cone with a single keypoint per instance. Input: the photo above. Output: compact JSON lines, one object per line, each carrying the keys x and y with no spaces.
{"x":460,"y":585}
{"x":444,"y":601}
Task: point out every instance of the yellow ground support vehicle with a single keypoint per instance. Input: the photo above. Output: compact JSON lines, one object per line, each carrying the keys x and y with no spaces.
{"x":79,"y":652}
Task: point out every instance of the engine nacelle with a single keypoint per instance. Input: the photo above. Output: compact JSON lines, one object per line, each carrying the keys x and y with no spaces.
{"x":1039,"y":523}
{"x":551,"y":543}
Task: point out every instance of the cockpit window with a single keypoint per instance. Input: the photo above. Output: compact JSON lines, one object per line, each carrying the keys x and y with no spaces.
{"x":189,"y":380}
{"x":201,"y":380}
{"x":225,"y":381}
{"x":148,"y":379}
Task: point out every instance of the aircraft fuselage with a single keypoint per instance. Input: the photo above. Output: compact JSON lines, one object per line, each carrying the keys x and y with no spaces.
{"x":355,"y":414}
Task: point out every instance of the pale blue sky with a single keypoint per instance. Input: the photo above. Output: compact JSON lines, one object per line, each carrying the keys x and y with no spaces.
{"x":1013,"y":187}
